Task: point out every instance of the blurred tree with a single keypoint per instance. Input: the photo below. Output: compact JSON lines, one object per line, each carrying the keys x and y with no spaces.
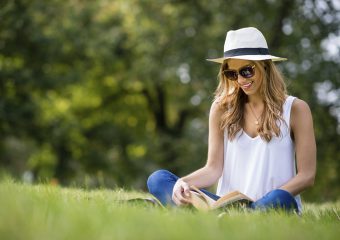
{"x":104,"y":92}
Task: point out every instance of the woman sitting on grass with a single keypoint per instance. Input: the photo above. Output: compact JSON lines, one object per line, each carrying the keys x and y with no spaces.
{"x":258,"y":134}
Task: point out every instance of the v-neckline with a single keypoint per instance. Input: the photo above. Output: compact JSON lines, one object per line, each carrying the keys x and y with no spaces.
{"x":252,"y":138}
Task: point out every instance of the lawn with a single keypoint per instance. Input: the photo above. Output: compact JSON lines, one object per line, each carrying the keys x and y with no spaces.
{"x":52,"y":212}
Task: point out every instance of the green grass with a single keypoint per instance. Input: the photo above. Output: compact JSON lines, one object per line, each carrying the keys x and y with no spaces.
{"x":51,"y":212}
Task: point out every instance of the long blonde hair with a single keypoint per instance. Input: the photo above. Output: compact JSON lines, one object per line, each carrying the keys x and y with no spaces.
{"x":232,"y":99}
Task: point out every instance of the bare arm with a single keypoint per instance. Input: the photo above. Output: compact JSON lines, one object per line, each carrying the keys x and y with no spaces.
{"x":302,"y":127}
{"x":209,"y":174}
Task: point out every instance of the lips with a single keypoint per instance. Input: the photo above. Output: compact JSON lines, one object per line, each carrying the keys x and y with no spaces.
{"x":247,"y":85}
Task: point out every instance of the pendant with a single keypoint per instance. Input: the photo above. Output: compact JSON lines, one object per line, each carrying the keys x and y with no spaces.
{"x":257,"y":122}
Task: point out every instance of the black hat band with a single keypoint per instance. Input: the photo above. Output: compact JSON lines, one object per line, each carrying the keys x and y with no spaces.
{"x":246,"y":51}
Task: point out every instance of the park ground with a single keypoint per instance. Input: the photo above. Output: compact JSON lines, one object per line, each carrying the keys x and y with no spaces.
{"x":52,"y":212}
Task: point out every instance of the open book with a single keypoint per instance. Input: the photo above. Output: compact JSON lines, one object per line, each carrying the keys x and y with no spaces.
{"x":201,"y":201}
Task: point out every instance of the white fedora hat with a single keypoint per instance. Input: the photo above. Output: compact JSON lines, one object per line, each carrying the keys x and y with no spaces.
{"x":247,"y":44}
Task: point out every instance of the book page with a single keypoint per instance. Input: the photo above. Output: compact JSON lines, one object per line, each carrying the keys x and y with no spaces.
{"x":230,"y":198}
{"x":198,"y":201}
{"x":208,"y":199}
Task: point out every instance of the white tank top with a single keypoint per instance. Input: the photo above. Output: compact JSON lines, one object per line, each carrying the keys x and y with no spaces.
{"x":254,"y":166}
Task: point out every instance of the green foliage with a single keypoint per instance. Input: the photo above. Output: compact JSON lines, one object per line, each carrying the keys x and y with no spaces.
{"x":101,"y":93}
{"x":49,"y":212}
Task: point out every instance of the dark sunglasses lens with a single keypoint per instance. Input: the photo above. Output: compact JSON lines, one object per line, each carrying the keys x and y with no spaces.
{"x":247,"y":72}
{"x":230,"y":74}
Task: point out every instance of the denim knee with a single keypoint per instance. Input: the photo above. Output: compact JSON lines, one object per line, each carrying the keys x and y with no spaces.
{"x":157,"y":179}
{"x":276,"y":199}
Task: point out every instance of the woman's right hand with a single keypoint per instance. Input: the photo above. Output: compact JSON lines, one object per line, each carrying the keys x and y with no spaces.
{"x":181,"y":193}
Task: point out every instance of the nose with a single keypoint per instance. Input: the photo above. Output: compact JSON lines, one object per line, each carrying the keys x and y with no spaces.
{"x":240,"y":80}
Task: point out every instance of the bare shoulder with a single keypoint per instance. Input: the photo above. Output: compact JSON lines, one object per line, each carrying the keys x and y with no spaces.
{"x":219,"y":105}
{"x":300,"y":107}
{"x":216,"y":109}
{"x":300,"y":113}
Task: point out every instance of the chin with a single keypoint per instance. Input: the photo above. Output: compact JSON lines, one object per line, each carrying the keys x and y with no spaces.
{"x":248,"y":93}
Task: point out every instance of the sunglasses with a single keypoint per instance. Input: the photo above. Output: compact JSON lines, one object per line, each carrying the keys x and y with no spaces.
{"x":246,"y":72}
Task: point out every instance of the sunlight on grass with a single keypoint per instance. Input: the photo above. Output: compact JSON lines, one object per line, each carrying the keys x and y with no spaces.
{"x":52,"y":212}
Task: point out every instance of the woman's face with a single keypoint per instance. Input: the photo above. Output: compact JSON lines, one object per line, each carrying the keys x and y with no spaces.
{"x":249,"y":85}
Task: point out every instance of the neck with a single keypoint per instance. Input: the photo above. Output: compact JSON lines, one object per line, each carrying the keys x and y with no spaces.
{"x":255,"y":100}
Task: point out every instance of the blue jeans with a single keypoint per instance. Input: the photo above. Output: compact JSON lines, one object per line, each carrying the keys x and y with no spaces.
{"x":161,"y":183}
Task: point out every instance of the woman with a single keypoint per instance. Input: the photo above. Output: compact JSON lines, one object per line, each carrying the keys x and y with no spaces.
{"x":261,"y":141}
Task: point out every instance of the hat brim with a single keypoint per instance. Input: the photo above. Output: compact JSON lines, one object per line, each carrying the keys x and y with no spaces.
{"x":249,"y":57}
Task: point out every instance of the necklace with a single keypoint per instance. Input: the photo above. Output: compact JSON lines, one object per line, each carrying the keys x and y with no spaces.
{"x":257,"y":120}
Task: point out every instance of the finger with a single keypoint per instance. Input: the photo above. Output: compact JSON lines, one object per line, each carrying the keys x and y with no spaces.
{"x":176,"y":201}
{"x":185,"y":200}
{"x":182,"y":199}
{"x":186,"y":190}
{"x":176,"y":198}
